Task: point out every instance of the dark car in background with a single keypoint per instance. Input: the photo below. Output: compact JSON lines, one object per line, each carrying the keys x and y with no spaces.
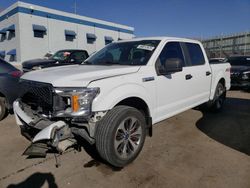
{"x":217,"y":60}
{"x":60,"y":58}
{"x":9,"y":87}
{"x":240,"y":71}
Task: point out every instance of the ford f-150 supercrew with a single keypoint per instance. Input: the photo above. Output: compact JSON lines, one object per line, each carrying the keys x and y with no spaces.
{"x":114,"y":97}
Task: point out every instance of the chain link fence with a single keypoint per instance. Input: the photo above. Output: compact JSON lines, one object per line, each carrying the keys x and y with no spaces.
{"x":227,"y":45}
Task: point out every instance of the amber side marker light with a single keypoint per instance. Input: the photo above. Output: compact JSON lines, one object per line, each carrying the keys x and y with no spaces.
{"x":75,"y":104}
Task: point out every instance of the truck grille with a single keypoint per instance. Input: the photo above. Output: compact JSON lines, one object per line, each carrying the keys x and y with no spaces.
{"x":37,"y":94}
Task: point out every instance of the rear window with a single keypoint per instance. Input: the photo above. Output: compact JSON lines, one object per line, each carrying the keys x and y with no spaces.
{"x":195,"y":54}
{"x":5,"y":67}
{"x":240,"y":61}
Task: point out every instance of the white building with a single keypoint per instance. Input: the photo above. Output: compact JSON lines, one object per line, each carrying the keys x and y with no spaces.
{"x":29,"y":31}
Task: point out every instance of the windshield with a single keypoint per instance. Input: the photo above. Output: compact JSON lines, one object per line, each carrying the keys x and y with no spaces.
{"x":61,"y":55}
{"x":239,"y":61}
{"x":124,"y":53}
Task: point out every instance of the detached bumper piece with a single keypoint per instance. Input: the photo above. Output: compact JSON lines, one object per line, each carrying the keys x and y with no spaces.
{"x":53,"y":139}
{"x":46,"y":136}
{"x":37,"y":150}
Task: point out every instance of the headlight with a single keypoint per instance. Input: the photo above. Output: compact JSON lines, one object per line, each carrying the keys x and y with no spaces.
{"x":80,"y":99}
{"x":246,"y":75}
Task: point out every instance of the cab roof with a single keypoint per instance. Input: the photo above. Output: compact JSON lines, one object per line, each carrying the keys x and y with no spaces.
{"x":161,"y":38}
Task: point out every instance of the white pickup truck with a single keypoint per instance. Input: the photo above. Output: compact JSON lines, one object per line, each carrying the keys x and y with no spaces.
{"x":114,"y":97}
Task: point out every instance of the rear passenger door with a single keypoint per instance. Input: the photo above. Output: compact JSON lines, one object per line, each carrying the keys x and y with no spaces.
{"x":199,"y":71}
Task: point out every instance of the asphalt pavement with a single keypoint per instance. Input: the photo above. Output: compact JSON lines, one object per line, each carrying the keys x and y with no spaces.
{"x":192,"y":149}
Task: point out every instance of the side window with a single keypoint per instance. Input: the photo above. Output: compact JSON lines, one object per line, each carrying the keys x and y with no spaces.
{"x":195,"y":54}
{"x":170,"y":50}
{"x":78,"y":56}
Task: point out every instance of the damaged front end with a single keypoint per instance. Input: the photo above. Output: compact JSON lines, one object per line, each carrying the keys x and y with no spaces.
{"x":45,"y":136}
{"x":52,"y":118}
{"x":56,"y":137}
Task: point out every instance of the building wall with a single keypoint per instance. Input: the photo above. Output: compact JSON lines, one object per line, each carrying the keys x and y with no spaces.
{"x":9,"y":43}
{"x":56,"y":22}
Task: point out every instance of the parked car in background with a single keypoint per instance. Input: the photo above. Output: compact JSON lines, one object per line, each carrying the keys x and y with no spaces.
{"x":48,"y":55}
{"x":9,"y":87}
{"x":216,"y":60}
{"x":240,"y":71}
{"x":114,"y":97}
{"x":60,"y":58}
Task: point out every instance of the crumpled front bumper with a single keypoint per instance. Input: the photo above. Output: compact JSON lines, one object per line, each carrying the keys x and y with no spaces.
{"x":44,"y":135}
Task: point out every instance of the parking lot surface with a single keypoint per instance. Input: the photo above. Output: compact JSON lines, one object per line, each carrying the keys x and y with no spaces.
{"x":193,"y":149}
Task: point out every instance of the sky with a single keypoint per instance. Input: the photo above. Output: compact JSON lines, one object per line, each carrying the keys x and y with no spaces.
{"x":179,"y":18}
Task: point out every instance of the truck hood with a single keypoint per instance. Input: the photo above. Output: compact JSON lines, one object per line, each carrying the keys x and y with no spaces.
{"x":77,"y":75}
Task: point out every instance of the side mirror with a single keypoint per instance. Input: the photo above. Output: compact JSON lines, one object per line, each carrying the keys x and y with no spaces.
{"x":171,"y":65}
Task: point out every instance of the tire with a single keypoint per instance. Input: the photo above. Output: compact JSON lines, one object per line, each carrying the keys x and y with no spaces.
{"x":219,"y":98}
{"x":120,"y":135}
{"x":3,"y":109}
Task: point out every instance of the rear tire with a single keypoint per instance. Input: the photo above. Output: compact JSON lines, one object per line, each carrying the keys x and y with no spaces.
{"x":219,"y":98}
{"x":3,"y":108}
{"x":120,"y":135}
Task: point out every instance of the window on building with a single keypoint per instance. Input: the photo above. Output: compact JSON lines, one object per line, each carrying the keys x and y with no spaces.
{"x":12,"y":33}
{"x":39,"y":31}
{"x":3,"y":34}
{"x":12,"y":54}
{"x":108,"y":40}
{"x":91,"y":38}
{"x":70,"y":35}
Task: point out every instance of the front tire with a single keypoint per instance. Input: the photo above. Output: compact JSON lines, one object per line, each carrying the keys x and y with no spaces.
{"x":120,"y":135}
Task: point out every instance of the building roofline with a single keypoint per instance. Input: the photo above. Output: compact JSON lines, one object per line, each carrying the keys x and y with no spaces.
{"x":26,"y":8}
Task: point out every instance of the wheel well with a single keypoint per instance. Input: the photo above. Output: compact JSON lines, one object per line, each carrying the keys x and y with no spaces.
{"x":222,"y":80}
{"x":137,"y":103}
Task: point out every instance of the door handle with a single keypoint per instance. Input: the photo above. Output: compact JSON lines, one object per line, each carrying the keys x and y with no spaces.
{"x":188,"y":76}
{"x":208,"y":73}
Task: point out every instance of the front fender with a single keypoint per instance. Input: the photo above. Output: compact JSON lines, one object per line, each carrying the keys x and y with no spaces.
{"x":108,"y":98}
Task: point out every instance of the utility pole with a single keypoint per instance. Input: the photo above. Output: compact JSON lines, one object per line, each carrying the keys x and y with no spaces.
{"x":75,"y":7}
{"x":245,"y":47}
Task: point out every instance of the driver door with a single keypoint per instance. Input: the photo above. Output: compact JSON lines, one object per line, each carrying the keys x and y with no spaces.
{"x":173,"y":88}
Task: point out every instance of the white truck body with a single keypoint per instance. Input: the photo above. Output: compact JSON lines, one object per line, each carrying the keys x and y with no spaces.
{"x":164,"y":95}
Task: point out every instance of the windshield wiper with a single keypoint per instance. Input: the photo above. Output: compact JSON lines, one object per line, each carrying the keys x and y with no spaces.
{"x":102,"y":63}
{"x":108,"y":63}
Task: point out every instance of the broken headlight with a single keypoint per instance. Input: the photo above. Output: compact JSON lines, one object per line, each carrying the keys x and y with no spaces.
{"x":79,"y":100}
